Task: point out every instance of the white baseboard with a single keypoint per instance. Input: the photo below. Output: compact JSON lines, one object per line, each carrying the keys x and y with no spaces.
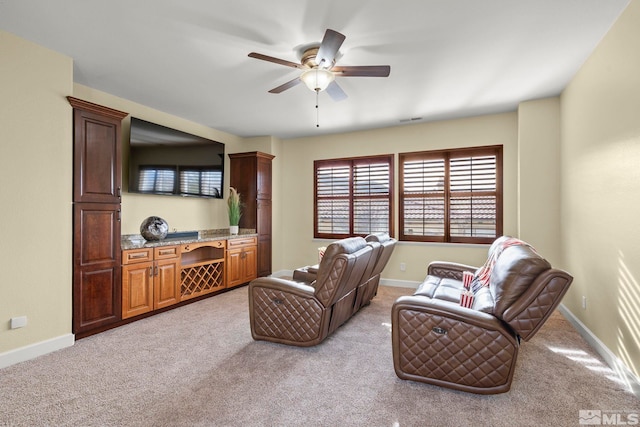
{"x":32,"y":351}
{"x":612,"y":360}
{"x":399,"y":283}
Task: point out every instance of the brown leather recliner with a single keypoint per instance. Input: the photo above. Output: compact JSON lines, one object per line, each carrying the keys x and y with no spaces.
{"x":383,"y":248}
{"x":437,"y":341}
{"x":305,"y":313}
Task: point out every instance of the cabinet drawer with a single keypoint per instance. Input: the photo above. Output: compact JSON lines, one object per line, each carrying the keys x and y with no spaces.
{"x":164,"y":252}
{"x":137,"y":255}
{"x":241,"y":242}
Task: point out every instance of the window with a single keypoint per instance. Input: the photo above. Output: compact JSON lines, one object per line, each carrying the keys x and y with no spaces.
{"x":451,"y":196}
{"x":353,"y":196}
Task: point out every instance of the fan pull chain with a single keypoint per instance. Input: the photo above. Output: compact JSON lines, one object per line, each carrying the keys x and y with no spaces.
{"x":317,"y":109}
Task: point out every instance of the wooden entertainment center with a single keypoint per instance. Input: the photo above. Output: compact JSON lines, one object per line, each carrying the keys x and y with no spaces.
{"x":117,"y":279}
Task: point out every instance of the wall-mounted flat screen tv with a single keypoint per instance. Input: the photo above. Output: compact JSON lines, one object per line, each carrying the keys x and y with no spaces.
{"x":171,"y":162}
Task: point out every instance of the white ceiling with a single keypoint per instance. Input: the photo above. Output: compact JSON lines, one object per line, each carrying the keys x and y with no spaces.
{"x":448,"y":58}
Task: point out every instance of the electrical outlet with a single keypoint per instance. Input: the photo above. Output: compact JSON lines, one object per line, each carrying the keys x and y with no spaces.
{"x":18,"y":322}
{"x":403,"y":266}
{"x":584,"y":302}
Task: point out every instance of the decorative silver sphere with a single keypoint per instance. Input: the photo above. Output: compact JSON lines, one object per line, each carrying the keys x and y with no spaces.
{"x":154,"y":228}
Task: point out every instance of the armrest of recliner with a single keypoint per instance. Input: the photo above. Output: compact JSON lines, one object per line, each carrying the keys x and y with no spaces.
{"x":416,"y":304}
{"x":289,"y":286}
{"x":451,"y":270}
{"x":527,"y":315}
{"x":306,"y":274}
{"x":286,"y":311}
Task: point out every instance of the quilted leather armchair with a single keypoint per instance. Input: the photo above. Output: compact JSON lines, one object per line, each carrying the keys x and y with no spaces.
{"x":437,"y":341}
{"x":305,"y":313}
{"x":383,"y":248}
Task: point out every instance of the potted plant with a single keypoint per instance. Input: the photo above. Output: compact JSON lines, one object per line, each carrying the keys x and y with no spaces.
{"x":234,"y":209}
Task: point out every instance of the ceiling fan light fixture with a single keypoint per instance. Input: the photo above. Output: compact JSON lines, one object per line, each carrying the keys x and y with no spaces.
{"x":317,"y":79}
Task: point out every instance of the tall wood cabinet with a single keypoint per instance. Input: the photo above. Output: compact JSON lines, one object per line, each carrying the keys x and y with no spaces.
{"x":251,"y":176}
{"x":96,"y":216}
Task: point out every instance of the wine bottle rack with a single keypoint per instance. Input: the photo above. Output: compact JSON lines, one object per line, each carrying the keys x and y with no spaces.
{"x":201,"y":279}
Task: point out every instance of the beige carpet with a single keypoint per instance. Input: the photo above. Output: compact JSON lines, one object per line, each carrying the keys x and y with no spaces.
{"x":198,"y":366}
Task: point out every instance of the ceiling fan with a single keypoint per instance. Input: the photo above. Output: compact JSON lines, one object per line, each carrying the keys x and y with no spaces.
{"x":319,"y":69}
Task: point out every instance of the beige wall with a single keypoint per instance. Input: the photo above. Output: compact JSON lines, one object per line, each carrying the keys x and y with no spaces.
{"x":300,"y":248}
{"x":36,"y":191}
{"x":601,"y":188}
{"x":539,"y":176}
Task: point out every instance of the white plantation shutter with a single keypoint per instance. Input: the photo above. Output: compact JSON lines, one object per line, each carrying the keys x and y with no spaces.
{"x":353,"y":196}
{"x":451,"y":196}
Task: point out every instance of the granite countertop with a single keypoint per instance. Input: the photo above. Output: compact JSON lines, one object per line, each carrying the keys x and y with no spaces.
{"x":136,"y":241}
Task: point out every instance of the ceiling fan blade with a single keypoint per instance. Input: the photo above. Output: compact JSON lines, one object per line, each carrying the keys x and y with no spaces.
{"x":329,"y":47}
{"x":287,"y":85}
{"x":276,"y":60}
{"x":335,"y":91}
{"x":362,"y":71}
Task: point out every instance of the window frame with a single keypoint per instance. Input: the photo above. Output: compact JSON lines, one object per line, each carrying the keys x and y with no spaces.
{"x":447,"y":155}
{"x":351,"y":162}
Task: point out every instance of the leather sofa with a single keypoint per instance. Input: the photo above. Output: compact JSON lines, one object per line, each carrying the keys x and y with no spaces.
{"x":437,"y":341}
{"x":304,"y":313}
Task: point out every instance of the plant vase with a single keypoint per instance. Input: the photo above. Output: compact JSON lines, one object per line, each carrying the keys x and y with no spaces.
{"x":233,"y":230}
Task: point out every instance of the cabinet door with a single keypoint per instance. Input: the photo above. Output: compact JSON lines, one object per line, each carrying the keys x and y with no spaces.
{"x":96,"y":261}
{"x":241,"y":265}
{"x":264,"y":238}
{"x":234,"y":267}
{"x":166,"y":287}
{"x":248,"y":258}
{"x":264,"y":177}
{"x":137,"y":289}
{"x":264,"y":256}
{"x":97,"y":176}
